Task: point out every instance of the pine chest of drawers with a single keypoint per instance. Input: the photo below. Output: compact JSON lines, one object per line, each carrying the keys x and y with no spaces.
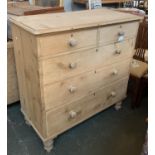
{"x":71,"y":66}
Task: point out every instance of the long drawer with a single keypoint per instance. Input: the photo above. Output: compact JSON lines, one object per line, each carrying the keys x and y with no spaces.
{"x":71,"y":89}
{"x":65,"y":42}
{"x":65,"y":66}
{"x":118,"y":33}
{"x":69,"y":115}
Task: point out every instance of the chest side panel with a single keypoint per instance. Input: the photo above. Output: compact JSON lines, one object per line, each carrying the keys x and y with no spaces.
{"x":28,"y":77}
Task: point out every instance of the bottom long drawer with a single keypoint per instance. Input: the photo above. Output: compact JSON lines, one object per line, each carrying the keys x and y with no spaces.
{"x":67,"y":116}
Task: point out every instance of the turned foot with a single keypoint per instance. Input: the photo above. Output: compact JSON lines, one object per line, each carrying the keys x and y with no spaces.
{"x":48,"y":145}
{"x":118,"y":105}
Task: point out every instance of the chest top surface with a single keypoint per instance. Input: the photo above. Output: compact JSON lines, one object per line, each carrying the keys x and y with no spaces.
{"x":49,"y":23}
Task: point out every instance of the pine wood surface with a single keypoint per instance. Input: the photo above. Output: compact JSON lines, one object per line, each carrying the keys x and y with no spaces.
{"x":80,"y":61}
{"x":63,"y":70}
{"x":84,"y":107}
{"x":84,"y":38}
{"x":84,"y":84}
{"x":28,"y":78}
{"x":47,"y":23}
{"x":12,"y":85}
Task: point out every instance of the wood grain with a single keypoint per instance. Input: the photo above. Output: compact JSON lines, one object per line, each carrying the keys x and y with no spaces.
{"x":12,"y":85}
{"x":66,"y":77}
{"x":28,"y":77}
{"x":110,"y":34}
{"x":84,"y":108}
{"x":85,"y":38}
{"x":48,"y":23}
{"x":59,"y":93}
{"x":58,"y":68}
{"x":50,"y":44}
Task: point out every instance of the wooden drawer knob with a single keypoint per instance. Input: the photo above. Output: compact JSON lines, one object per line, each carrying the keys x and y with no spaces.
{"x":114,"y":72}
{"x":72,"y":42}
{"x":72,"y":114}
{"x":113,"y":93}
{"x":72,"y":89}
{"x":72,"y":65}
{"x":118,"y":52}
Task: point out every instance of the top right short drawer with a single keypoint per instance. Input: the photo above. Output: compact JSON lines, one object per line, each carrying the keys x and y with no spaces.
{"x":117,"y":33}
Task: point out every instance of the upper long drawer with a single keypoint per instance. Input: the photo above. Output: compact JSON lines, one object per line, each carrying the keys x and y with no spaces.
{"x":68,"y":65}
{"x":66,"y":42}
{"x":118,"y":33}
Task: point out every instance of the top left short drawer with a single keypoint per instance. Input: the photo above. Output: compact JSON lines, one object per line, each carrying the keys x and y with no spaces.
{"x":55,"y":44}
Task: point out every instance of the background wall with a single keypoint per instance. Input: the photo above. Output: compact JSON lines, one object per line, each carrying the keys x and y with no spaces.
{"x":68,"y":4}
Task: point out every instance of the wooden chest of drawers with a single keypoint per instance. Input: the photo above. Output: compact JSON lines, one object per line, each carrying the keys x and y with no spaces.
{"x":73,"y":66}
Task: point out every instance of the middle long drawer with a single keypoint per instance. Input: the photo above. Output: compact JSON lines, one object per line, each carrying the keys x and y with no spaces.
{"x":71,"y":89}
{"x":65,"y":66}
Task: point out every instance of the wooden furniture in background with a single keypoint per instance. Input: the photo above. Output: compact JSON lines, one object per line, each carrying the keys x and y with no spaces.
{"x":139,"y":67}
{"x":143,"y":4}
{"x":24,"y":8}
{"x":76,"y":64}
{"x":12,"y":85}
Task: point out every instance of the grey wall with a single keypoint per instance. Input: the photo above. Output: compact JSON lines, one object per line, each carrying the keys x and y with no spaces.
{"x":70,"y":6}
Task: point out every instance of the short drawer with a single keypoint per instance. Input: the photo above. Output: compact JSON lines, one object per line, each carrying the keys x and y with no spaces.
{"x":55,"y":44}
{"x":118,"y":33}
{"x":71,"y":89}
{"x":69,"y":115}
{"x":65,"y":66}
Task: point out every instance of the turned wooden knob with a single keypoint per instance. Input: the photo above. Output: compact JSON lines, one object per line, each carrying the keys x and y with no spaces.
{"x":114,"y":72}
{"x":118,"y":52}
{"x":72,"y":114}
{"x":72,"y":65}
{"x":113,"y":94}
{"x":72,"y":89}
{"x":72,"y":42}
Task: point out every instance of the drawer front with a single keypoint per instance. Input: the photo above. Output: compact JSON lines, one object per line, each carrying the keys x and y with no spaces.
{"x":65,"y":66}
{"x":69,"y":115}
{"x":118,"y":33}
{"x":70,"y":90}
{"x":66,"y":42}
